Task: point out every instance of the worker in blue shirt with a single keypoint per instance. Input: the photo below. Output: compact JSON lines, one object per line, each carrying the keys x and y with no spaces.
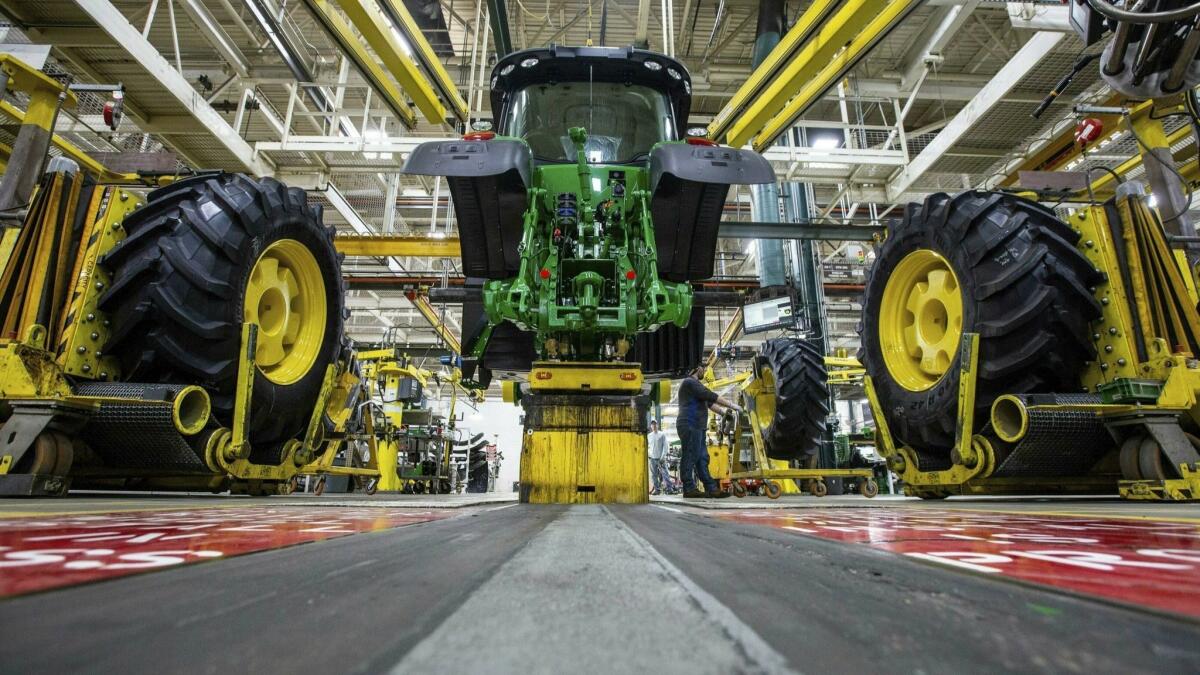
{"x":695,"y":400}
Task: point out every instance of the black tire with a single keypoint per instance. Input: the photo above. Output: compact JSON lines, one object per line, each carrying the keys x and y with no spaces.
{"x":801,"y":397}
{"x":1025,"y":290}
{"x":179,"y":284}
{"x":478,"y":470}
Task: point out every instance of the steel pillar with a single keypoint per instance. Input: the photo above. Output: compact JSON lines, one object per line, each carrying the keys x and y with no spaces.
{"x":764,"y":202}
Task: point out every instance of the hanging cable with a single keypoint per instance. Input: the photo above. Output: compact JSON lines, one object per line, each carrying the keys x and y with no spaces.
{"x":1111,"y":11}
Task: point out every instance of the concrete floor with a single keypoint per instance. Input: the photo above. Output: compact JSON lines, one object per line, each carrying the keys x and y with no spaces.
{"x":473,"y":583}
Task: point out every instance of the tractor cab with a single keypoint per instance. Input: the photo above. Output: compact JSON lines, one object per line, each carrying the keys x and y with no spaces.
{"x":627,"y":99}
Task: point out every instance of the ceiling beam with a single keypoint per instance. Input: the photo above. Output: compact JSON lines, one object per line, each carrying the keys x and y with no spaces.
{"x":992,"y":93}
{"x":214,"y":33}
{"x":947,"y":21}
{"x":111,"y":21}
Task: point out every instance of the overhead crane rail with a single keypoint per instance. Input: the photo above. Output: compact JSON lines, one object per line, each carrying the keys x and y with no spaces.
{"x":352,"y":46}
{"x":380,"y":32}
{"x":823,"y":45}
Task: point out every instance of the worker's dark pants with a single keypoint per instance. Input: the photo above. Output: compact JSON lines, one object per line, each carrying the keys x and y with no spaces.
{"x":694,"y":463}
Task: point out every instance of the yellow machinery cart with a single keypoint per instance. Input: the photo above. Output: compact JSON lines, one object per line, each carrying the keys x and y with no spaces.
{"x":742,"y":436}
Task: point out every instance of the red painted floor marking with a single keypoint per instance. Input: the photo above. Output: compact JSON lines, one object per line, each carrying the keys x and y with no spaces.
{"x":1146,"y":563}
{"x":40,"y":553}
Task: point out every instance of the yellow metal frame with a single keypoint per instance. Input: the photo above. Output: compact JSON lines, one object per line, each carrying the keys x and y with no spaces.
{"x":85,"y":327}
{"x":377,"y":30}
{"x":817,"y":52}
{"x":228,"y":451}
{"x":416,"y":39}
{"x":830,"y":70}
{"x":547,"y":376}
{"x":973,"y":456}
{"x":732,"y":330}
{"x":421,"y":302}
{"x":782,"y":55}
{"x":755,"y":389}
{"x":341,"y":32}
{"x":44,"y":91}
{"x":399,"y":246}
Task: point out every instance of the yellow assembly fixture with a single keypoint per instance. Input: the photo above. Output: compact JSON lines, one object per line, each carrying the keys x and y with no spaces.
{"x":1130,"y":426}
{"x":585,"y":434}
{"x":740,"y":451}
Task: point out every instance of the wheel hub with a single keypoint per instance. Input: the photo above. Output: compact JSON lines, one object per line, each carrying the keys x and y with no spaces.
{"x":920,"y":320}
{"x":285,"y":296}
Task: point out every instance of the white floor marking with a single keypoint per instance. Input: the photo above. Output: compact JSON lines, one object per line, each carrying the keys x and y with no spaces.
{"x":756,"y":648}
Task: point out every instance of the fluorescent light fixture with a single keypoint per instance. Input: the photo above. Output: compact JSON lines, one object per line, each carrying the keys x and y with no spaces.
{"x":826,"y":143}
{"x":399,"y":36}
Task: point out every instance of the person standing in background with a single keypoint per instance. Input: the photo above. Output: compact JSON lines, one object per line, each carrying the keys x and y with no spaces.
{"x":656,"y":446}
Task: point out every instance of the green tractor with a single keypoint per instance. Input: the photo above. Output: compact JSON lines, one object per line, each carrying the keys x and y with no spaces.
{"x":587,"y":213}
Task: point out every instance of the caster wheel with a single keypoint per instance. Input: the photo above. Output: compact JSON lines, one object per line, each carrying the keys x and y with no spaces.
{"x":774,"y":489}
{"x":291,"y":486}
{"x":868,"y":488}
{"x":1130,"y":450}
{"x":372,"y":486}
{"x":319,"y":489}
{"x":819,"y":488}
{"x":739,"y":490}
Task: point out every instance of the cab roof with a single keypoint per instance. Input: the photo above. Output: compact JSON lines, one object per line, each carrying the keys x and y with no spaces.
{"x":628,"y":65}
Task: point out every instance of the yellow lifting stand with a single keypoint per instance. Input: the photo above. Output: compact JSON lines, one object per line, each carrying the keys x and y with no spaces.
{"x":585,"y":434}
{"x":725,"y":463}
{"x":228,"y":451}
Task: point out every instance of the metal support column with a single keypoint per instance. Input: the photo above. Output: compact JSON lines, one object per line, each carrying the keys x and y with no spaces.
{"x":37,"y":128}
{"x":764,"y":199}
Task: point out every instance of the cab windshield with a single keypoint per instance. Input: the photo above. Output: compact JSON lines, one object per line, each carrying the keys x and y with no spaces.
{"x":623,"y":122}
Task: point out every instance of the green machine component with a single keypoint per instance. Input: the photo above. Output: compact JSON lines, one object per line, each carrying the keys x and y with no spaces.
{"x":586,"y":215}
{"x":589,"y":268}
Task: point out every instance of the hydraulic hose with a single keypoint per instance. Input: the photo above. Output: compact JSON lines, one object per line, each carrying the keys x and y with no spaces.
{"x":1111,"y":11}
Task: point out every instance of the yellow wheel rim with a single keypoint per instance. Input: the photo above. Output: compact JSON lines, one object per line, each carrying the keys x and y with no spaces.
{"x":920,"y":322}
{"x":286,"y":298}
